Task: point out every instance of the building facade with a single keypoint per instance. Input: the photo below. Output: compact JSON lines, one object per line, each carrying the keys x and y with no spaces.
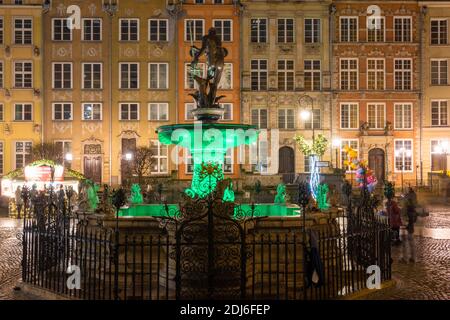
{"x":435,"y":80}
{"x":285,"y":74}
{"x":111,"y":83}
{"x":21,"y":82}
{"x":376,"y":84}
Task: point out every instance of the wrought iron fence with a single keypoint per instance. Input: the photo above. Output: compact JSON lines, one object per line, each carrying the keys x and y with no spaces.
{"x":202,"y":253}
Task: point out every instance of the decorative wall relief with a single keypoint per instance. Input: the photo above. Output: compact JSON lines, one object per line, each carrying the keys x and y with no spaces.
{"x":62,"y":51}
{"x":62,"y":95}
{"x":61,"y":10}
{"x":128,"y":95}
{"x":129,"y":127}
{"x":92,"y":9}
{"x":91,"y":96}
{"x":90,"y":51}
{"x":91,"y":127}
{"x":129,"y":51}
{"x":62,"y":127}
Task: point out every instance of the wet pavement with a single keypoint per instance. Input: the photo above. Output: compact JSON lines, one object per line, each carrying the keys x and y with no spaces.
{"x":427,"y":278}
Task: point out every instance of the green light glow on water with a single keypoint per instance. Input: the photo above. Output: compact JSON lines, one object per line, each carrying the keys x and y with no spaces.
{"x":261,"y":210}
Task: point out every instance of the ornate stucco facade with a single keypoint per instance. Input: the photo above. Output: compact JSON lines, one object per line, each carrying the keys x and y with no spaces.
{"x":376,"y":84}
{"x":281,"y":63}
{"x":21,"y":82}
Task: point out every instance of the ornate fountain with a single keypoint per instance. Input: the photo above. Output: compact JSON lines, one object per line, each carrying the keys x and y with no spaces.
{"x":206,"y":139}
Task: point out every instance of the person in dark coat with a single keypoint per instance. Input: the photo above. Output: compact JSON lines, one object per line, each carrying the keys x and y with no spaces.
{"x":395,"y":219}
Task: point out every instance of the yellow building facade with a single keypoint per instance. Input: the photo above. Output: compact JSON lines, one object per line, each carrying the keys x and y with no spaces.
{"x":435,"y":121}
{"x":110,"y":82}
{"x":21,"y":82}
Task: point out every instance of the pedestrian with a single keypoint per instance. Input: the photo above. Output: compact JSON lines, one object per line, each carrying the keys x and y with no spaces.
{"x":395,"y":220}
{"x":408,"y":237}
{"x":19,"y":201}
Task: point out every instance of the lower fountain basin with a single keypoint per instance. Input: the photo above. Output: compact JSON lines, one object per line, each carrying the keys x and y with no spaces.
{"x":261,"y":210}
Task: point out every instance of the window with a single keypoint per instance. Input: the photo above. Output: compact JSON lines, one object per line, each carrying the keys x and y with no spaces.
{"x":62,"y":111}
{"x":64,"y":147}
{"x":438,"y":158}
{"x":259,"y":75}
{"x":286,"y":75}
{"x":188,"y":107}
{"x":286,"y":118}
{"x":62,"y":75}
{"x":200,"y":71}
{"x":2,"y":112}
{"x":375,"y":74}
{"x":1,"y":74}
{"x":92,"y":75}
{"x":61,"y":30}
{"x":224,"y":29}
{"x":92,"y":111}
{"x":92,"y":29}
{"x":438,"y":31}
{"x":312,"y":75}
{"x":1,"y":30}
{"x":439,"y":113}
{"x":259,"y":118}
{"x":312,"y":30}
{"x":349,"y":74}
{"x":158,"y":111}
{"x":189,"y":161}
{"x":439,"y":72}
{"x":403,"y":155}
{"x":352,"y":143}
{"x":228,"y":161}
{"x":22,"y":153}
{"x":160,"y":159}
{"x":23,"y":31}
{"x":259,"y":154}
{"x":193,"y":29}
{"x":402,"y":29}
{"x":375,"y":29}
{"x":403,"y":116}
{"x":349,"y":115}
{"x":23,"y":74}
{"x":1,"y":158}
{"x":129,"y":75}
{"x":285,"y":30}
{"x":129,"y":111}
{"x":226,"y":82}
{"x":306,"y":164}
{"x":258,"y":32}
{"x":315,"y":120}
{"x":158,"y":30}
{"x":349,"y":29}
{"x":158,"y":75}
{"x":376,"y":115}
{"x":403,"y":74}
{"x":129,"y":29}
{"x":228,"y":114}
{"x":23,"y":112}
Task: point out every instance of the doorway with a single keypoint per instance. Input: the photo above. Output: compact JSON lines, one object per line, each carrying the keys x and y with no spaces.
{"x":92,"y":162}
{"x":287,"y":164}
{"x":377,"y":163}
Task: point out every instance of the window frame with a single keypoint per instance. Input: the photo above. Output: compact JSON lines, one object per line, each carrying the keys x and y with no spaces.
{"x":128,"y":33}
{"x":376,"y":40}
{"x":231,"y":28}
{"x":92,"y":76}
{"x":158,"y":105}
{"x":158,"y":157}
{"x":23,"y":74}
{"x":349,"y":72}
{"x":62,"y":34}
{"x":403,"y":115}
{"x":62,"y":111}
{"x":14,"y":40}
{"x":258,"y":31}
{"x":158,"y":34}
{"x":313,"y":31}
{"x":376,"y":70}
{"x":158,"y":64}
{"x":439,"y":31}
{"x":62,"y":73}
{"x":129,"y":104}
{"x":410,"y":18}
{"x":286,"y":37}
{"x":195,"y":35}
{"x":440,"y":118}
{"x":439,"y":60}
{"x":379,"y":126}
{"x":23,"y":104}
{"x":403,"y":71}
{"x":348,"y":30}
{"x":404,"y":156}
{"x":24,"y":153}
{"x":129,"y":75}
{"x":93,"y":105}
{"x":83,"y":27}
{"x":349,"y":113}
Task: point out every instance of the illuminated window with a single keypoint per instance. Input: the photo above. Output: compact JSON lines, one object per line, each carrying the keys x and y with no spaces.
{"x":158,"y":111}
{"x":376,"y":114}
{"x":23,"y":153}
{"x":403,"y":116}
{"x":403,"y":155}
{"x":158,"y":75}
{"x":160,"y":162}
{"x":349,"y":115}
{"x":92,"y":111}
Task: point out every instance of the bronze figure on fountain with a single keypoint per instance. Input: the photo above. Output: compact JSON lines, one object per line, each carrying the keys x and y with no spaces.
{"x":208,"y":108}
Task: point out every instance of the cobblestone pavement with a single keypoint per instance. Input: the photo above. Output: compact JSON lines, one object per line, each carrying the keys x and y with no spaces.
{"x":428,"y":278}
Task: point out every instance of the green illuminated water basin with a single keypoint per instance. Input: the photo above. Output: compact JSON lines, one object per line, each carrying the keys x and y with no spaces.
{"x":261,"y":210}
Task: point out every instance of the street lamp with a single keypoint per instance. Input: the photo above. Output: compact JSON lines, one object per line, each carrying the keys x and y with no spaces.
{"x":69,"y":157}
{"x":337,"y":142}
{"x":128,"y":156}
{"x":305,"y":114}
